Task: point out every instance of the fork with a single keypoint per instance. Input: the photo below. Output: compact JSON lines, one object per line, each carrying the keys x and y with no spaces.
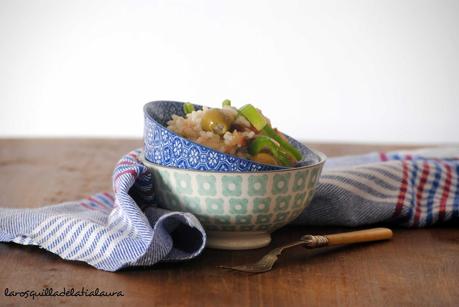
{"x":267,"y":262}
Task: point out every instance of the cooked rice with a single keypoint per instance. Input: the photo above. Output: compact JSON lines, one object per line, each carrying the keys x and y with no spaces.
{"x":231,"y":142}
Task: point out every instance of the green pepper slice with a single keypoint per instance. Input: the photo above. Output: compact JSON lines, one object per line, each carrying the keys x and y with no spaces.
{"x":261,"y":124}
{"x":188,"y":107}
{"x":264,"y":143}
{"x":226,"y":103}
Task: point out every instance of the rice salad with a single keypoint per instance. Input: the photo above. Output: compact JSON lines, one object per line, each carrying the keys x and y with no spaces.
{"x":244,"y":132}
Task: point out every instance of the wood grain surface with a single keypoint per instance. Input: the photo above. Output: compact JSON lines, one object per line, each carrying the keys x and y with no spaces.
{"x":418,"y":267}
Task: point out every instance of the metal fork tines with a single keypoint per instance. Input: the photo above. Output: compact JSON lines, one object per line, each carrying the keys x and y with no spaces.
{"x":309,"y":241}
{"x":266,"y":262}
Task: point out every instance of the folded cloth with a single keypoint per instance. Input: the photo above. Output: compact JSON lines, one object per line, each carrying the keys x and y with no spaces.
{"x":122,"y":229}
{"x":109,"y":231}
{"x":409,"y":188}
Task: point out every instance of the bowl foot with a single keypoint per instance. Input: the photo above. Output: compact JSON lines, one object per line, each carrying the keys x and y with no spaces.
{"x":237,"y":240}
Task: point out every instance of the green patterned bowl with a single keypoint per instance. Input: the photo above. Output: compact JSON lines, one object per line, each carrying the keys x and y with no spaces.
{"x":238,"y":210}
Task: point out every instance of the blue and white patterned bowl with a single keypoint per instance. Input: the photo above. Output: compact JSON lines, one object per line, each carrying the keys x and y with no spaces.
{"x":164,"y":147}
{"x":239,"y":210}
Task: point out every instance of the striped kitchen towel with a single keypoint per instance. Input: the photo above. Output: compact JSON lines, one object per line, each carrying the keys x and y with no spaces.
{"x":409,"y":188}
{"x":109,"y":231}
{"x":122,"y":229}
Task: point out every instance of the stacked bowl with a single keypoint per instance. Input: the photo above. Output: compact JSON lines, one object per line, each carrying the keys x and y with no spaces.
{"x":238,"y":201}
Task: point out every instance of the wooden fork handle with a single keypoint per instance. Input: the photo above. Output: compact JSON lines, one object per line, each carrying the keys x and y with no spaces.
{"x":373,"y":234}
{"x":367,"y":235}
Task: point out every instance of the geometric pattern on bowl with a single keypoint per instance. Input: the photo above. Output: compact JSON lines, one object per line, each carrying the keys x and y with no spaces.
{"x":242,"y":202}
{"x":164,"y":147}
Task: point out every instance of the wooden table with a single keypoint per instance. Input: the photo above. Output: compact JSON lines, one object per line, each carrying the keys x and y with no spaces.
{"x":417,"y":268}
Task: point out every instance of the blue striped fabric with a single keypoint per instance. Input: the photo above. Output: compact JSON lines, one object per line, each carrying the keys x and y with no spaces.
{"x":410,"y":188}
{"x":115,"y":230}
{"x":109,"y":231}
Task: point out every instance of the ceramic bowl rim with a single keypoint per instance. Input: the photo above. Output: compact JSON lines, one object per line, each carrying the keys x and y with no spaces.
{"x":321,"y":155}
{"x":275,"y":167}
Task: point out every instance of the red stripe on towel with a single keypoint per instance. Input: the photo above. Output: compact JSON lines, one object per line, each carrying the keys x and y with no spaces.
{"x":99,"y":203}
{"x":444,"y":196}
{"x":383,"y":156}
{"x":403,"y":189}
{"x":87,"y":207}
{"x":128,"y":171}
{"x":126,"y":163}
{"x":109,"y":196}
{"x":422,"y":183}
{"x":133,"y":155}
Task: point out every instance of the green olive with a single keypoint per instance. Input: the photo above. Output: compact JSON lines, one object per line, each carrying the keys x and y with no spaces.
{"x":215,"y":121}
